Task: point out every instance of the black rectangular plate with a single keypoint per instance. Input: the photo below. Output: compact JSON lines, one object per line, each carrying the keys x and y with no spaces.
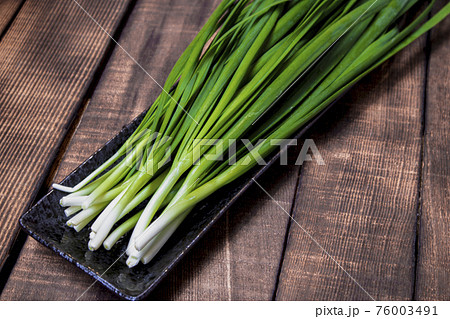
{"x":46,"y":222}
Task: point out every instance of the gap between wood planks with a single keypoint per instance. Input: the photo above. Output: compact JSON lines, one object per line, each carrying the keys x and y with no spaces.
{"x":418,"y":209}
{"x":53,"y":165}
{"x":77,"y":118}
{"x":432,"y":241}
{"x":421,"y":159}
{"x":11,"y":20}
{"x":286,"y":234}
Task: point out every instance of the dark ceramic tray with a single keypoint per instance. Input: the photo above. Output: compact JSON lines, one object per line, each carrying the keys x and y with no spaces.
{"x":45,"y":222}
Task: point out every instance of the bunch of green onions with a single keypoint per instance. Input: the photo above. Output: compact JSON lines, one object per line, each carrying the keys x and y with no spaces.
{"x":256,"y":72}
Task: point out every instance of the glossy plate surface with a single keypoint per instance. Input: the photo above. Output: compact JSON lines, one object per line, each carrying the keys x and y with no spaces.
{"x":45,"y":222}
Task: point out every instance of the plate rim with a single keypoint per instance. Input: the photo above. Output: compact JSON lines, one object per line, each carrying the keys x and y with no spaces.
{"x":97,"y":277}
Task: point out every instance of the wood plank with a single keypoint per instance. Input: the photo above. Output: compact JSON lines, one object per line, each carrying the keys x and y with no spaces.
{"x":239,"y":258}
{"x":9,"y":9}
{"x":48,"y":58}
{"x":434,"y":235}
{"x":361,"y":206}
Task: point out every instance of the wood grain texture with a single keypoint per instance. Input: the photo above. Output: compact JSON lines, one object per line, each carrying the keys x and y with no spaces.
{"x":433,"y":272}
{"x":48,"y":57}
{"x":361,"y":206}
{"x":8,"y":9}
{"x":239,"y":258}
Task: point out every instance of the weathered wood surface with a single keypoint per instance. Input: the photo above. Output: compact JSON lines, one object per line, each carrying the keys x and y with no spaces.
{"x":239,"y":259}
{"x":432,"y":276}
{"x":48,"y":57}
{"x":361,"y":206}
{"x":8,"y":9}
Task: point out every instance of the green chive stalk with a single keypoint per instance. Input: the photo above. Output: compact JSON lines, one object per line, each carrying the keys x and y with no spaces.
{"x":257,"y":71}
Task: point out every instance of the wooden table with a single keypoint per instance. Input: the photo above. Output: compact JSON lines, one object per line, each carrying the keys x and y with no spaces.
{"x":379,"y":207}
